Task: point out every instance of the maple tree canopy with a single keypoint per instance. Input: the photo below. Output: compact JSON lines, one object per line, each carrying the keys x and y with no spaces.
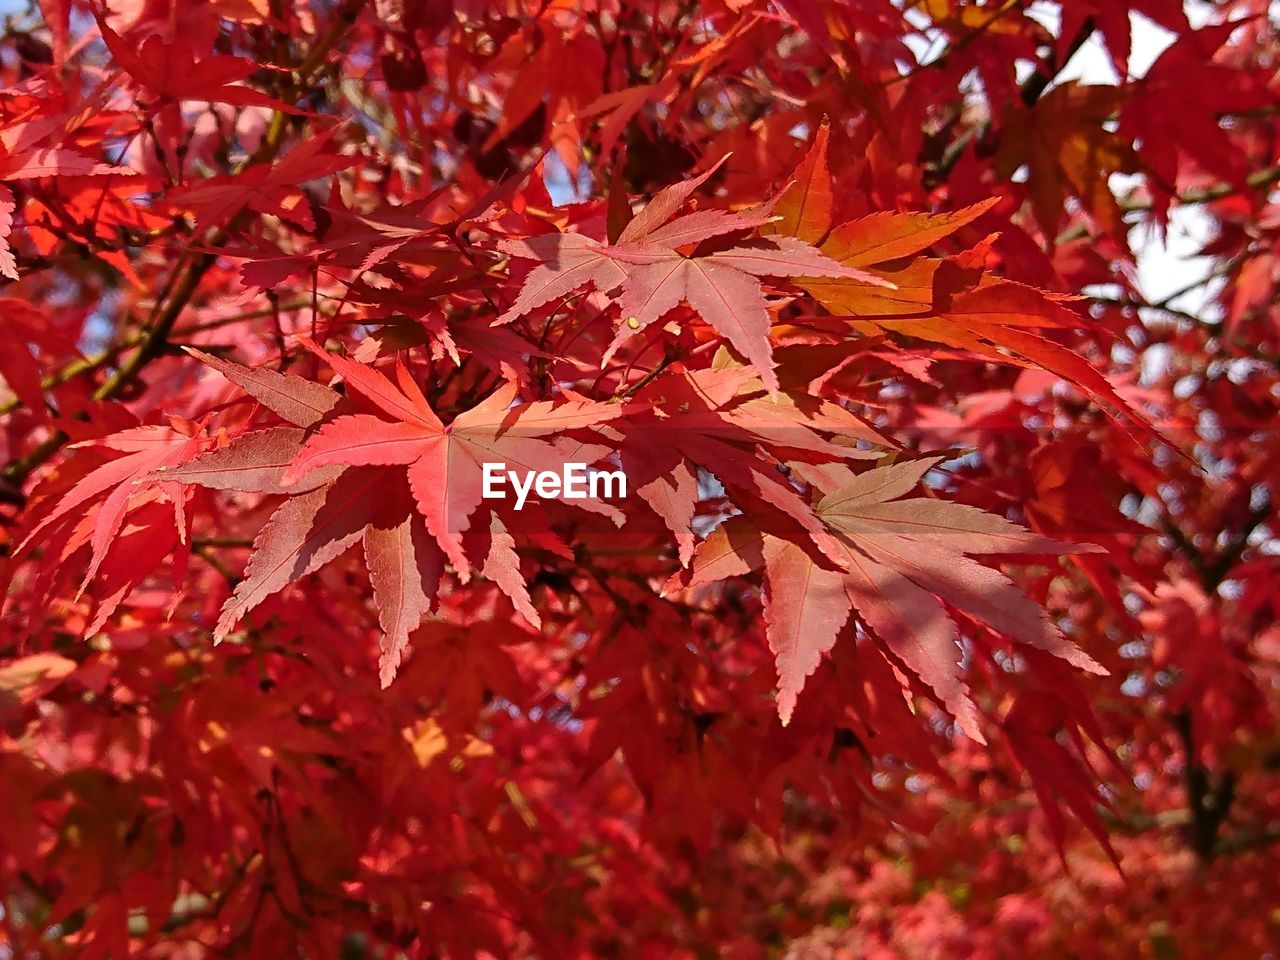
{"x":611,"y":479}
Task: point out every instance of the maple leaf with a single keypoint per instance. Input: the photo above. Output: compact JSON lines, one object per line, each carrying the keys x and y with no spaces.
{"x":897,"y":562}
{"x":34,"y":148}
{"x":804,"y":208}
{"x":328,"y":510}
{"x":722,"y":286}
{"x":1180,"y":101}
{"x":881,"y":237}
{"x":404,"y":569}
{"x":264,"y":187}
{"x":565,"y":71}
{"x":465,"y":666}
{"x":718,"y":420}
{"x":367,"y":239}
{"x":172,"y":71}
{"x":255,"y":462}
{"x":502,"y":566}
{"x":618,"y":107}
{"x":312,"y":528}
{"x":145,"y":449}
{"x":1032,"y":724}
{"x":298,"y":400}
{"x":445,"y":464}
{"x":884,"y":241}
{"x":322,"y":517}
{"x":1070,"y":153}
{"x":942,"y":301}
{"x":38,"y":335}
{"x":27,"y":152}
{"x":92,"y":511}
{"x":8,"y":265}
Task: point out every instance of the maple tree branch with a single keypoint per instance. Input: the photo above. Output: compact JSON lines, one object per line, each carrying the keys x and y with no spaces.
{"x":153,"y":339}
{"x":1031,"y":91}
{"x":1208,"y":800}
{"x":1133,"y":824}
{"x":202,"y":543}
{"x":1229,"y":557}
{"x":1243,"y":842}
{"x":1224,"y":268}
{"x":940,"y":61}
{"x":1212,"y":571}
{"x":1047,"y":71}
{"x":647,"y":379}
{"x":1137,"y":303}
{"x":76,"y":368}
{"x":343,"y":21}
{"x":150,"y":345}
{"x":1219,"y":191}
{"x":217,"y":322}
{"x":204,"y":551}
{"x":85,"y":365}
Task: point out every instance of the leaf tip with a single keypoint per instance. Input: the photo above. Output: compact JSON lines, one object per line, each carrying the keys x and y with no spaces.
{"x":786,"y":704}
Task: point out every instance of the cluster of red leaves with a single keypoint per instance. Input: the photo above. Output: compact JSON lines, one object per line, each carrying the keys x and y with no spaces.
{"x":932,"y":545}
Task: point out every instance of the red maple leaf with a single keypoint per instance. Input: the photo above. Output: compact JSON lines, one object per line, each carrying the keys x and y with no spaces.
{"x":896,"y":564}
{"x":646,"y":264}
